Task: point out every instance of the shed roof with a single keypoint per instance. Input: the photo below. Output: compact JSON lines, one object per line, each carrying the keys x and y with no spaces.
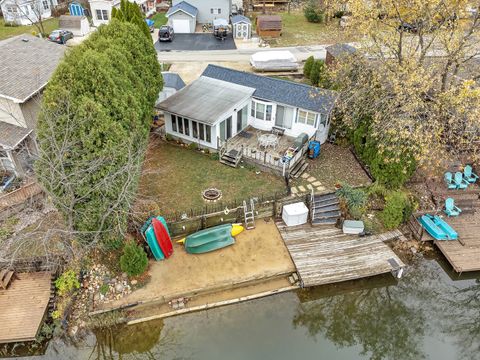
{"x":269,"y":22}
{"x":172,"y":80}
{"x":184,"y":7}
{"x":277,"y":90}
{"x":240,"y":18}
{"x":26,"y":64}
{"x":12,"y":135}
{"x":339,"y":50}
{"x":70,"y":21}
{"x":206,"y":99}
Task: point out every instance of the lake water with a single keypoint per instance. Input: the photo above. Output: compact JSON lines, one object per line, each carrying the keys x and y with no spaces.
{"x":431,"y":313}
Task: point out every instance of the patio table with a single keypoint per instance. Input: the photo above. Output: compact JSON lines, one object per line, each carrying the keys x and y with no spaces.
{"x":267,"y":140}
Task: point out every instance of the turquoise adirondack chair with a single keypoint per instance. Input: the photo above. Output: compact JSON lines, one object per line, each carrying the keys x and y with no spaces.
{"x":469,"y":175}
{"x":460,"y":181}
{"x":451,"y":209}
{"x":448,"y":177}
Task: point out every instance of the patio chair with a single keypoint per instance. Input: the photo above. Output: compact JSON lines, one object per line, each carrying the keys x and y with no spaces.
{"x":469,"y":175}
{"x":460,"y":181}
{"x":448,"y":177}
{"x":450,"y":208}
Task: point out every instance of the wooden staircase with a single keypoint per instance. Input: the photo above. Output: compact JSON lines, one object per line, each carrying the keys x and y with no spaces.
{"x":249,"y":215}
{"x":325,"y":209}
{"x":231,"y":158}
{"x":5,"y":278}
{"x":299,"y":169}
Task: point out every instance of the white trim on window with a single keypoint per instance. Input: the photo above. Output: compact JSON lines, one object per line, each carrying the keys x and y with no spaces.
{"x":307,"y":118}
{"x":261,"y":110}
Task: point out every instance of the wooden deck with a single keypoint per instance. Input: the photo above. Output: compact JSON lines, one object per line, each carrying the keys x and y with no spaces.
{"x":464,"y":257}
{"x":324,"y":255}
{"x":23,"y":306}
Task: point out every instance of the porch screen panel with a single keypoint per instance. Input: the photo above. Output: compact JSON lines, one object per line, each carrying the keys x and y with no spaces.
{"x":194,"y":129}
{"x":201,"y":131}
{"x":208,"y":133}
{"x":180,"y":125}
{"x":174,"y":123}
{"x":187,"y":126}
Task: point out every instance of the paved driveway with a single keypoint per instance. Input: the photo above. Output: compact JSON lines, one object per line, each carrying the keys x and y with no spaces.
{"x":196,"y":42}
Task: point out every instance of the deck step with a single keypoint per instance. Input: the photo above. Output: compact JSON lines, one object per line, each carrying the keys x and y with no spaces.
{"x":324,"y":221}
{"x":323,"y":209}
{"x":325,"y":197}
{"x":228,"y":163}
{"x":327,"y":215}
{"x":299,"y":169}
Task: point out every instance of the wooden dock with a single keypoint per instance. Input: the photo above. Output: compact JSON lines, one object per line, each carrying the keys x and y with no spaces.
{"x":23,"y":305}
{"x":463,"y":257}
{"x":324,"y":255}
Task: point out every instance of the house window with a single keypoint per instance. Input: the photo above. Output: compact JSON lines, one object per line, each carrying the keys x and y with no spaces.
{"x":195,"y":129}
{"x":307,"y":118}
{"x":102,"y":14}
{"x":45,"y":4}
{"x":201,"y":131}
{"x":27,"y":11}
{"x":261,"y":111}
{"x":174,"y":123}
{"x":12,"y":9}
{"x":215,"y":11}
{"x":187,"y":126}
{"x":208,"y":133}
{"x":180,"y":125}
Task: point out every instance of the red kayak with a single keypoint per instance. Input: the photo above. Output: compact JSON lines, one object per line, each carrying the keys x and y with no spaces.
{"x":163,"y":239}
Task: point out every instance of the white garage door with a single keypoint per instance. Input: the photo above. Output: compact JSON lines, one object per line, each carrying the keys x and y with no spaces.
{"x":181,"y":26}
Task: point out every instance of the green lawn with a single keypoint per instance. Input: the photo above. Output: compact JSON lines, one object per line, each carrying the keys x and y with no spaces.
{"x":160,"y":19}
{"x":174,"y":178}
{"x":298,"y":31}
{"x":9,"y":31}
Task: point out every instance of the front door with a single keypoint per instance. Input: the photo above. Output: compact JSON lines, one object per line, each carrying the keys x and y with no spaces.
{"x":280,"y":116}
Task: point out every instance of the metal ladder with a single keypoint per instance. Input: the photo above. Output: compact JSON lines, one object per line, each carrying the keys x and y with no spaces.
{"x":249,"y":215}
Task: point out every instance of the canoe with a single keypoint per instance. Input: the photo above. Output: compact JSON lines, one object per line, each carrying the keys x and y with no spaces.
{"x":153,"y":244}
{"x":211,"y":239}
{"x":149,"y":234}
{"x":163,"y":238}
{"x":438,"y":228}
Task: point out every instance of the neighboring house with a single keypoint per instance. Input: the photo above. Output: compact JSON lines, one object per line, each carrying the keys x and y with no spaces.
{"x":102,"y":9}
{"x":172,"y":82}
{"x":222,"y":102}
{"x":269,"y":25}
{"x":26,"y":12}
{"x":26,"y":64}
{"x":184,"y":15}
{"x":78,"y":25}
{"x":242,"y":27}
{"x":337,"y":51}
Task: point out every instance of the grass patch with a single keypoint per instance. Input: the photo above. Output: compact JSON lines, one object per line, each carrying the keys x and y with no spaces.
{"x":298,"y":31}
{"x":174,"y":178}
{"x":159,"y":19}
{"x":335,"y":165}
{"x":9,"y":31}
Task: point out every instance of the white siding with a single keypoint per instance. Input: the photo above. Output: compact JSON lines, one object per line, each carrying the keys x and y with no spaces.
{"x":179,"y":15}
{"x":189,"y":138}
{"x":205,"y":6}
{"x":28,"y":12}
{"x":101,"y":5}
{"x":11,"y":113}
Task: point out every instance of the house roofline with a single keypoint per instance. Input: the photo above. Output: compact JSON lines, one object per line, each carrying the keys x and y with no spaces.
{"x":182,"y":10}
{"x":20,"y":101}
{"x":7,"y":147}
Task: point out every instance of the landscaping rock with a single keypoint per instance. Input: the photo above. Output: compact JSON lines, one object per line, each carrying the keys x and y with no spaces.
{"x":119,"y":287}
{"x":134,"y":282}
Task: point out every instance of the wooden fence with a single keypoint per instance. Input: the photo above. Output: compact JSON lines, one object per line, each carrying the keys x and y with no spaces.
{"x":14,"y":201}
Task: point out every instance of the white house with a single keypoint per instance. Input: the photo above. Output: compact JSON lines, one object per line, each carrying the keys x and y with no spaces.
{"x":172,"y":82}
{"x":26,"y":12}
{"x":184,"y":15}
{"x":27,"y":63}
{"x":223,"y":102}
{"x":102,"y":9}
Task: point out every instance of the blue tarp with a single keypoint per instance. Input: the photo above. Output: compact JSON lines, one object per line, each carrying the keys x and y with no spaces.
{"x":149,"y":22}
{"x":76,"y":9}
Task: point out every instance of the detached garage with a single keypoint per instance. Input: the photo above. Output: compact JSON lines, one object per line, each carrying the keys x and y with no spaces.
{"x":182,"y":18}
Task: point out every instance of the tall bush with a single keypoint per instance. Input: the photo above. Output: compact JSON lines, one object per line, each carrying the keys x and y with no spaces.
{"x":313,"y":13}
{"x":315,"y":73}
{"x":130,"y":12}
{"x":356,"y":200}
{"x":134,"y":260}
{"x":307,"y":68}
{"x":397,"y":209}
{"x":93,"y":128}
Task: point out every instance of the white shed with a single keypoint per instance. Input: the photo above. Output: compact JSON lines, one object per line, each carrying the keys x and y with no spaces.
{"x":78,"y":25}
{"x":182,"y":17}
{"x":242,"y":27}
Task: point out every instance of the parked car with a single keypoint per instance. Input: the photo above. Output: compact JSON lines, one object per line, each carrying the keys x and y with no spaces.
{"x":166,"y":33}
{"x":60,"y":36}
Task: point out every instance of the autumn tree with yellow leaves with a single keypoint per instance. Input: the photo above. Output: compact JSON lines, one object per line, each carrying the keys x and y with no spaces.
{"x":413,"y":83}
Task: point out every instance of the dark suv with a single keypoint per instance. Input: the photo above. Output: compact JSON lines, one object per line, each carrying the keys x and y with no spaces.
{"x":166,"y":33}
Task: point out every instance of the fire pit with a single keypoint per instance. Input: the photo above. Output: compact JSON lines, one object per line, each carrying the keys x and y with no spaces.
{"x":212,"y":194}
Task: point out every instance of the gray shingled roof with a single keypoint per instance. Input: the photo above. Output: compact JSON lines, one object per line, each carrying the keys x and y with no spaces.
{"x":280,"y":91}
{"x":205,"y":99}
{"x":183,"y":6}
{"x":338,"y":50}
{"x":26,"y":66}
{"x":240,"y":18}
{"x":11,"y":135}
{"x":172,"y":80}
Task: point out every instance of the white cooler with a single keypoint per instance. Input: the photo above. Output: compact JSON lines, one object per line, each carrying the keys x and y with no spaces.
{"x":295,"y":214}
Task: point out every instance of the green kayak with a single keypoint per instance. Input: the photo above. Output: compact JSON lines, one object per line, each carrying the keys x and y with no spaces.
{"x":211,"y":239}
